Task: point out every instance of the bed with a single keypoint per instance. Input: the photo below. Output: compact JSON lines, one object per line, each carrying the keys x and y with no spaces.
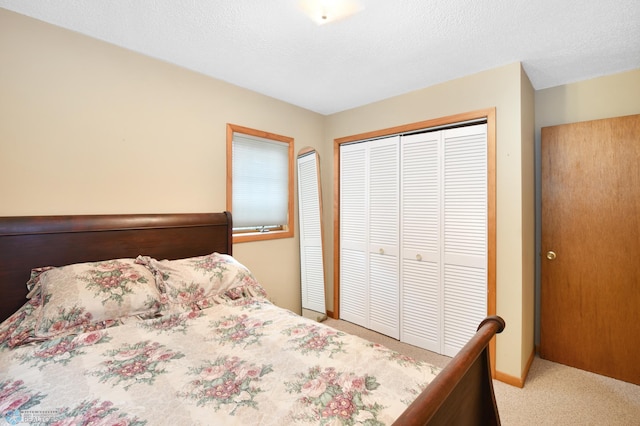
{"x":184,"y":334}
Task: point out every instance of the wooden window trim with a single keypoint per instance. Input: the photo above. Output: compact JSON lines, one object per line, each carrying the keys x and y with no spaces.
{"x":287,"y":231}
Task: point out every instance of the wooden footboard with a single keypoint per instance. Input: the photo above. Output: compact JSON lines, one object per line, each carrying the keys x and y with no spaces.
{"x":462,"y":393}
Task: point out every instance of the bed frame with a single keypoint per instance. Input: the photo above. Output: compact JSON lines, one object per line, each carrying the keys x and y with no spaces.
{"x":462,"y":394}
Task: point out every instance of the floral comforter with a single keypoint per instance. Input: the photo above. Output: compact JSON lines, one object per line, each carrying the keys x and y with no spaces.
{"x":248,"y":363}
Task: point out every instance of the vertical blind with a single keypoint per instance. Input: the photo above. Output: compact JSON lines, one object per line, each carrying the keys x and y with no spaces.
{"x":260,"y":182}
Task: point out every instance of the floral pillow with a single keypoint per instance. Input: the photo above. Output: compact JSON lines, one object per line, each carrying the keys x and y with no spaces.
{"x":198,"y":282}
{"x":76,"y":296}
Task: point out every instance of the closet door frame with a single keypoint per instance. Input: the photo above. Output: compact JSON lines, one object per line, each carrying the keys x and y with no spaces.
{"x":489,"y":115}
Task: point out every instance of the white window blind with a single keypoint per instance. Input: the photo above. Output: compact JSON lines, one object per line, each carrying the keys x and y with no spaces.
{"x":260,"y":182}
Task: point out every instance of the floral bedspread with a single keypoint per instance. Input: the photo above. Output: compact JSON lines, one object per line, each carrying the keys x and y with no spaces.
{"x":248,"y":363}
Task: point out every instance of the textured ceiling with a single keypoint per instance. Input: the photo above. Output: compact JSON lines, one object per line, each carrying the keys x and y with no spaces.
{"x":386,"y":49}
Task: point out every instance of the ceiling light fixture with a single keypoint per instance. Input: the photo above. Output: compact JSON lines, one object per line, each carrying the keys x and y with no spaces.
{"x":326,"y":11}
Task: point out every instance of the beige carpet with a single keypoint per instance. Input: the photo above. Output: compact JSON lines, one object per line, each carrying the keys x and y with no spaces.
{"x":553,"y":394}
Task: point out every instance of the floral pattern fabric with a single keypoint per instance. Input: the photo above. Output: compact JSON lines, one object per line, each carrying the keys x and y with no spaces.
{"x":242,"y":362}
{"x":79,"y":295}
{"x":19,"y":328}
{"x":226,"y":382}
{"x":334,"y":395}
{"x":201,"y":281}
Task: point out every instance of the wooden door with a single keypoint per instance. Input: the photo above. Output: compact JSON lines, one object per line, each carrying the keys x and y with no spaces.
{"x":590,"y":282}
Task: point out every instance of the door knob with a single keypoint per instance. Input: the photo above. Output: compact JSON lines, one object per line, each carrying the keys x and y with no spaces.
{"x":551,"y":255}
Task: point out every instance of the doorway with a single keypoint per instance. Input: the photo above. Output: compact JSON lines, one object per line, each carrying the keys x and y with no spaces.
{"x":590,"y":266}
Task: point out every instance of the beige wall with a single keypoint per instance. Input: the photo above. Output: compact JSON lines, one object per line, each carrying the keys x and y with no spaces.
{"x":89,"y":128}
{"x":604,"y":97}
{"x":528,"y":224}
{"x":508,"y":89}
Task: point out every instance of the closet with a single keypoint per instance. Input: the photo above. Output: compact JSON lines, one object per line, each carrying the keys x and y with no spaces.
{"x":413,"y":235}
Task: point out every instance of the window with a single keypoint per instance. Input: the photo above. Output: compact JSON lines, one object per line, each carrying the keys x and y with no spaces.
{"x":259,"y":184}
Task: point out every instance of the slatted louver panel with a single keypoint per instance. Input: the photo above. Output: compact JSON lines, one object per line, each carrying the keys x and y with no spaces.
{"x":464,"y":305}
{"x":420,"y":209}
{"x":420,"y":320}
{"x":384,"y":187}
{"x":311,"y":262}
{"x":384,"y":184}
{"x":354,"y":287}
{"x":420,"y":240}
{"x":465,"y":192}
{"x":353,"y":207}
{"x":383,"y":294}
{"x":464,"y":233}
{"x":314,"y":277}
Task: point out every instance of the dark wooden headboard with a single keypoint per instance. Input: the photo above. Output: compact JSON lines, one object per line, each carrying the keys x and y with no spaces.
{"x":33,"y":241}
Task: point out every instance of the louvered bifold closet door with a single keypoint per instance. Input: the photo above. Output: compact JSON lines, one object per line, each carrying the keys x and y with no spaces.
{"x":354,"y":265}
{"x":420,"y":320}
{"x":384,"y":198}
{"x":311,"y":264}
{"x":464,"y":234}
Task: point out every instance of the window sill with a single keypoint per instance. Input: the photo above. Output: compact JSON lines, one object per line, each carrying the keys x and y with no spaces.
{"x":261,"y":236}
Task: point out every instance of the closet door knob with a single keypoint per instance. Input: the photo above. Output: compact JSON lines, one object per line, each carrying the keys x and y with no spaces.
{"x":381,"y":251}
{"x":418,"y":257}
{"x":551,"y":255}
